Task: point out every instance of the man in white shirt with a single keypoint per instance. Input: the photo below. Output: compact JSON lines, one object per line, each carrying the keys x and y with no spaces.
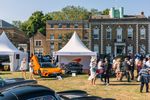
{"x":148,"y":63}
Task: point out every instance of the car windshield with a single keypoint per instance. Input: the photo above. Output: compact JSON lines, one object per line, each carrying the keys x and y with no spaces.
{"x":44,"y":58}
{"x":47,"y":65}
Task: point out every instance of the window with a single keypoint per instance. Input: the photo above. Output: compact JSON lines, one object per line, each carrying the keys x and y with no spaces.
{"x":142,"y":49}
{"x":108,"y":33}
{"x":59,"y":25}
{"x":96,"y":33}
{"x":52,"y":47}
{"x":38,"y":50}
{"x":59,"y":46}
{"x":52,"y":25}
{"x":130,"y":32}
{"x":60,"y":36}
{"x":68,"y":26}
{"x":51,"y":36}
{"x":86,"y":26}
{"x":75,"y":25}
{"x":86,"y":35}
{"x":38,"y":42}
{"x":142,"y":32}
{"x":108,"y":49}
{"x":130,"y":49}
{"x":119,"y":34}
{"x":96,"y":48}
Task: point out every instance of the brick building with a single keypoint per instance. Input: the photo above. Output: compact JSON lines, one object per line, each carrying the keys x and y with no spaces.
{"x":40,"y":44}
{"x":57,"y":35}
{"x":16,"y":36}
{"x":117,"y":33}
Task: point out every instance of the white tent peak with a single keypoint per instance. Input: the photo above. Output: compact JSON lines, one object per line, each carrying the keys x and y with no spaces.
{"x":5,"y":43}
{"x":74,"y":45}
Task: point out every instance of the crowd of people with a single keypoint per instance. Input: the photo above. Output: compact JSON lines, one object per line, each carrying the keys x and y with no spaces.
{"x":118,"y":67}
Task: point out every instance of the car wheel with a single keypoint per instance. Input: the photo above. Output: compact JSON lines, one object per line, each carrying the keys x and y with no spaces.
{"x":39,"y":73}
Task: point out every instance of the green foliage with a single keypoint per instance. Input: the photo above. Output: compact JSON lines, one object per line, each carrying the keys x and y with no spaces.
{"x":95,"y":11}
{"x":105,"y":12}
{"x":37,"y":21}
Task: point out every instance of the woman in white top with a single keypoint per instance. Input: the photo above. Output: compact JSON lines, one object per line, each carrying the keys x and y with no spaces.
{"x":31,"y":69}
{"x":93,"y":74}
{"x":23,"y":67}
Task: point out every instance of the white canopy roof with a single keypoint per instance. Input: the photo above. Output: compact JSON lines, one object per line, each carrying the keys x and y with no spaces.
{"x":75,"y":47}
{"x":6,"y":47}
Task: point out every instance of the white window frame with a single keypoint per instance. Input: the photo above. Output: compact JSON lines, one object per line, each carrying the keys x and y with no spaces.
{"x":130,"y":49}
{"x":37,"y":44}
{"x":108,"y":49}
{"x":38,"y":50}
{"x":130,"y":32}
{"x":119,"y":34}
{"x":108,"y":33}
{"x":96,"y":48}
{"x":96,"y":33}
{"x":59,"y":25}
{"x":142,"y":32}
{"x":142,"y":49}
{"x":53,"y":37}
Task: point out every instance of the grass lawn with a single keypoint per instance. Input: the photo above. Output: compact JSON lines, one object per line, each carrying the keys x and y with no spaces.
{"x":116,"y":90}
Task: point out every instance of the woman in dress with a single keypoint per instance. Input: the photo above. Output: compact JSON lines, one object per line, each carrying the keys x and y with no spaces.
{"x":23,"y":68}
{"x":31,"y":69}
{"x":93,"y":68}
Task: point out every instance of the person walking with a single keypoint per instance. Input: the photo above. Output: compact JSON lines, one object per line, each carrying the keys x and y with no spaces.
{"x":107,"y":68}
{"x":31,"y":69}
{"x":23,"y":68}
{"x":93,"y":68}
{"x":100,"y":70}
{"x":144,"y":74}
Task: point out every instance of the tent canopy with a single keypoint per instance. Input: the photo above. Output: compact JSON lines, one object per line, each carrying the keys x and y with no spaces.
{"x":7,"y":48}
{"x":75,"y":47}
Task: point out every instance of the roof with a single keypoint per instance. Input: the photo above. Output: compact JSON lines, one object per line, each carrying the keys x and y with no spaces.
{"x":4,"y":24}
{"x":67,"y":21}
{"x":6,"y":45}
{"x":74,"y":47}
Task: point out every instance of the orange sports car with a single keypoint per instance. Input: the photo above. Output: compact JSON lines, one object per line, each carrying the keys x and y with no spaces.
{"x":45,"y":68}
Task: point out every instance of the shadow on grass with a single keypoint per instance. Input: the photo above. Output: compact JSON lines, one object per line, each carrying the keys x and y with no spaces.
{"x":124,"y":84}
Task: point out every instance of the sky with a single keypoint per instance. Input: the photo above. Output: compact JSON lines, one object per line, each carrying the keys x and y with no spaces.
{"x":12,"y":10}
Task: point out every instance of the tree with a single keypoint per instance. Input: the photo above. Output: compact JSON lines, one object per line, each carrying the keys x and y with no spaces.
{"x":17,"y":23}
{"x":105,"y":12}
{"x":94,"y":11}
{"x":35,"y":23}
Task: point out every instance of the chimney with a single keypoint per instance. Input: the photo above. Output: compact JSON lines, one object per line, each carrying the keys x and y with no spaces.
{"x":142,"y":13}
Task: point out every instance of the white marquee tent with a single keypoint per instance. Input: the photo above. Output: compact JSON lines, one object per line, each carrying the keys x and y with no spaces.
{"x":75,"y":49}
{"x":7,"y":48}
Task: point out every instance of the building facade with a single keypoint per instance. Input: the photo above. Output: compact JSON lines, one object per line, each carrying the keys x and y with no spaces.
{"x":38,"y":44}
{"x":59,"y":32}
{"x":16,"y":36}
{"x":113,"y":34}
{"x":117,"y":33}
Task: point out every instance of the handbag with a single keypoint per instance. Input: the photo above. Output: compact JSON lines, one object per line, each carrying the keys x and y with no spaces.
{"x":139,"y":78}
